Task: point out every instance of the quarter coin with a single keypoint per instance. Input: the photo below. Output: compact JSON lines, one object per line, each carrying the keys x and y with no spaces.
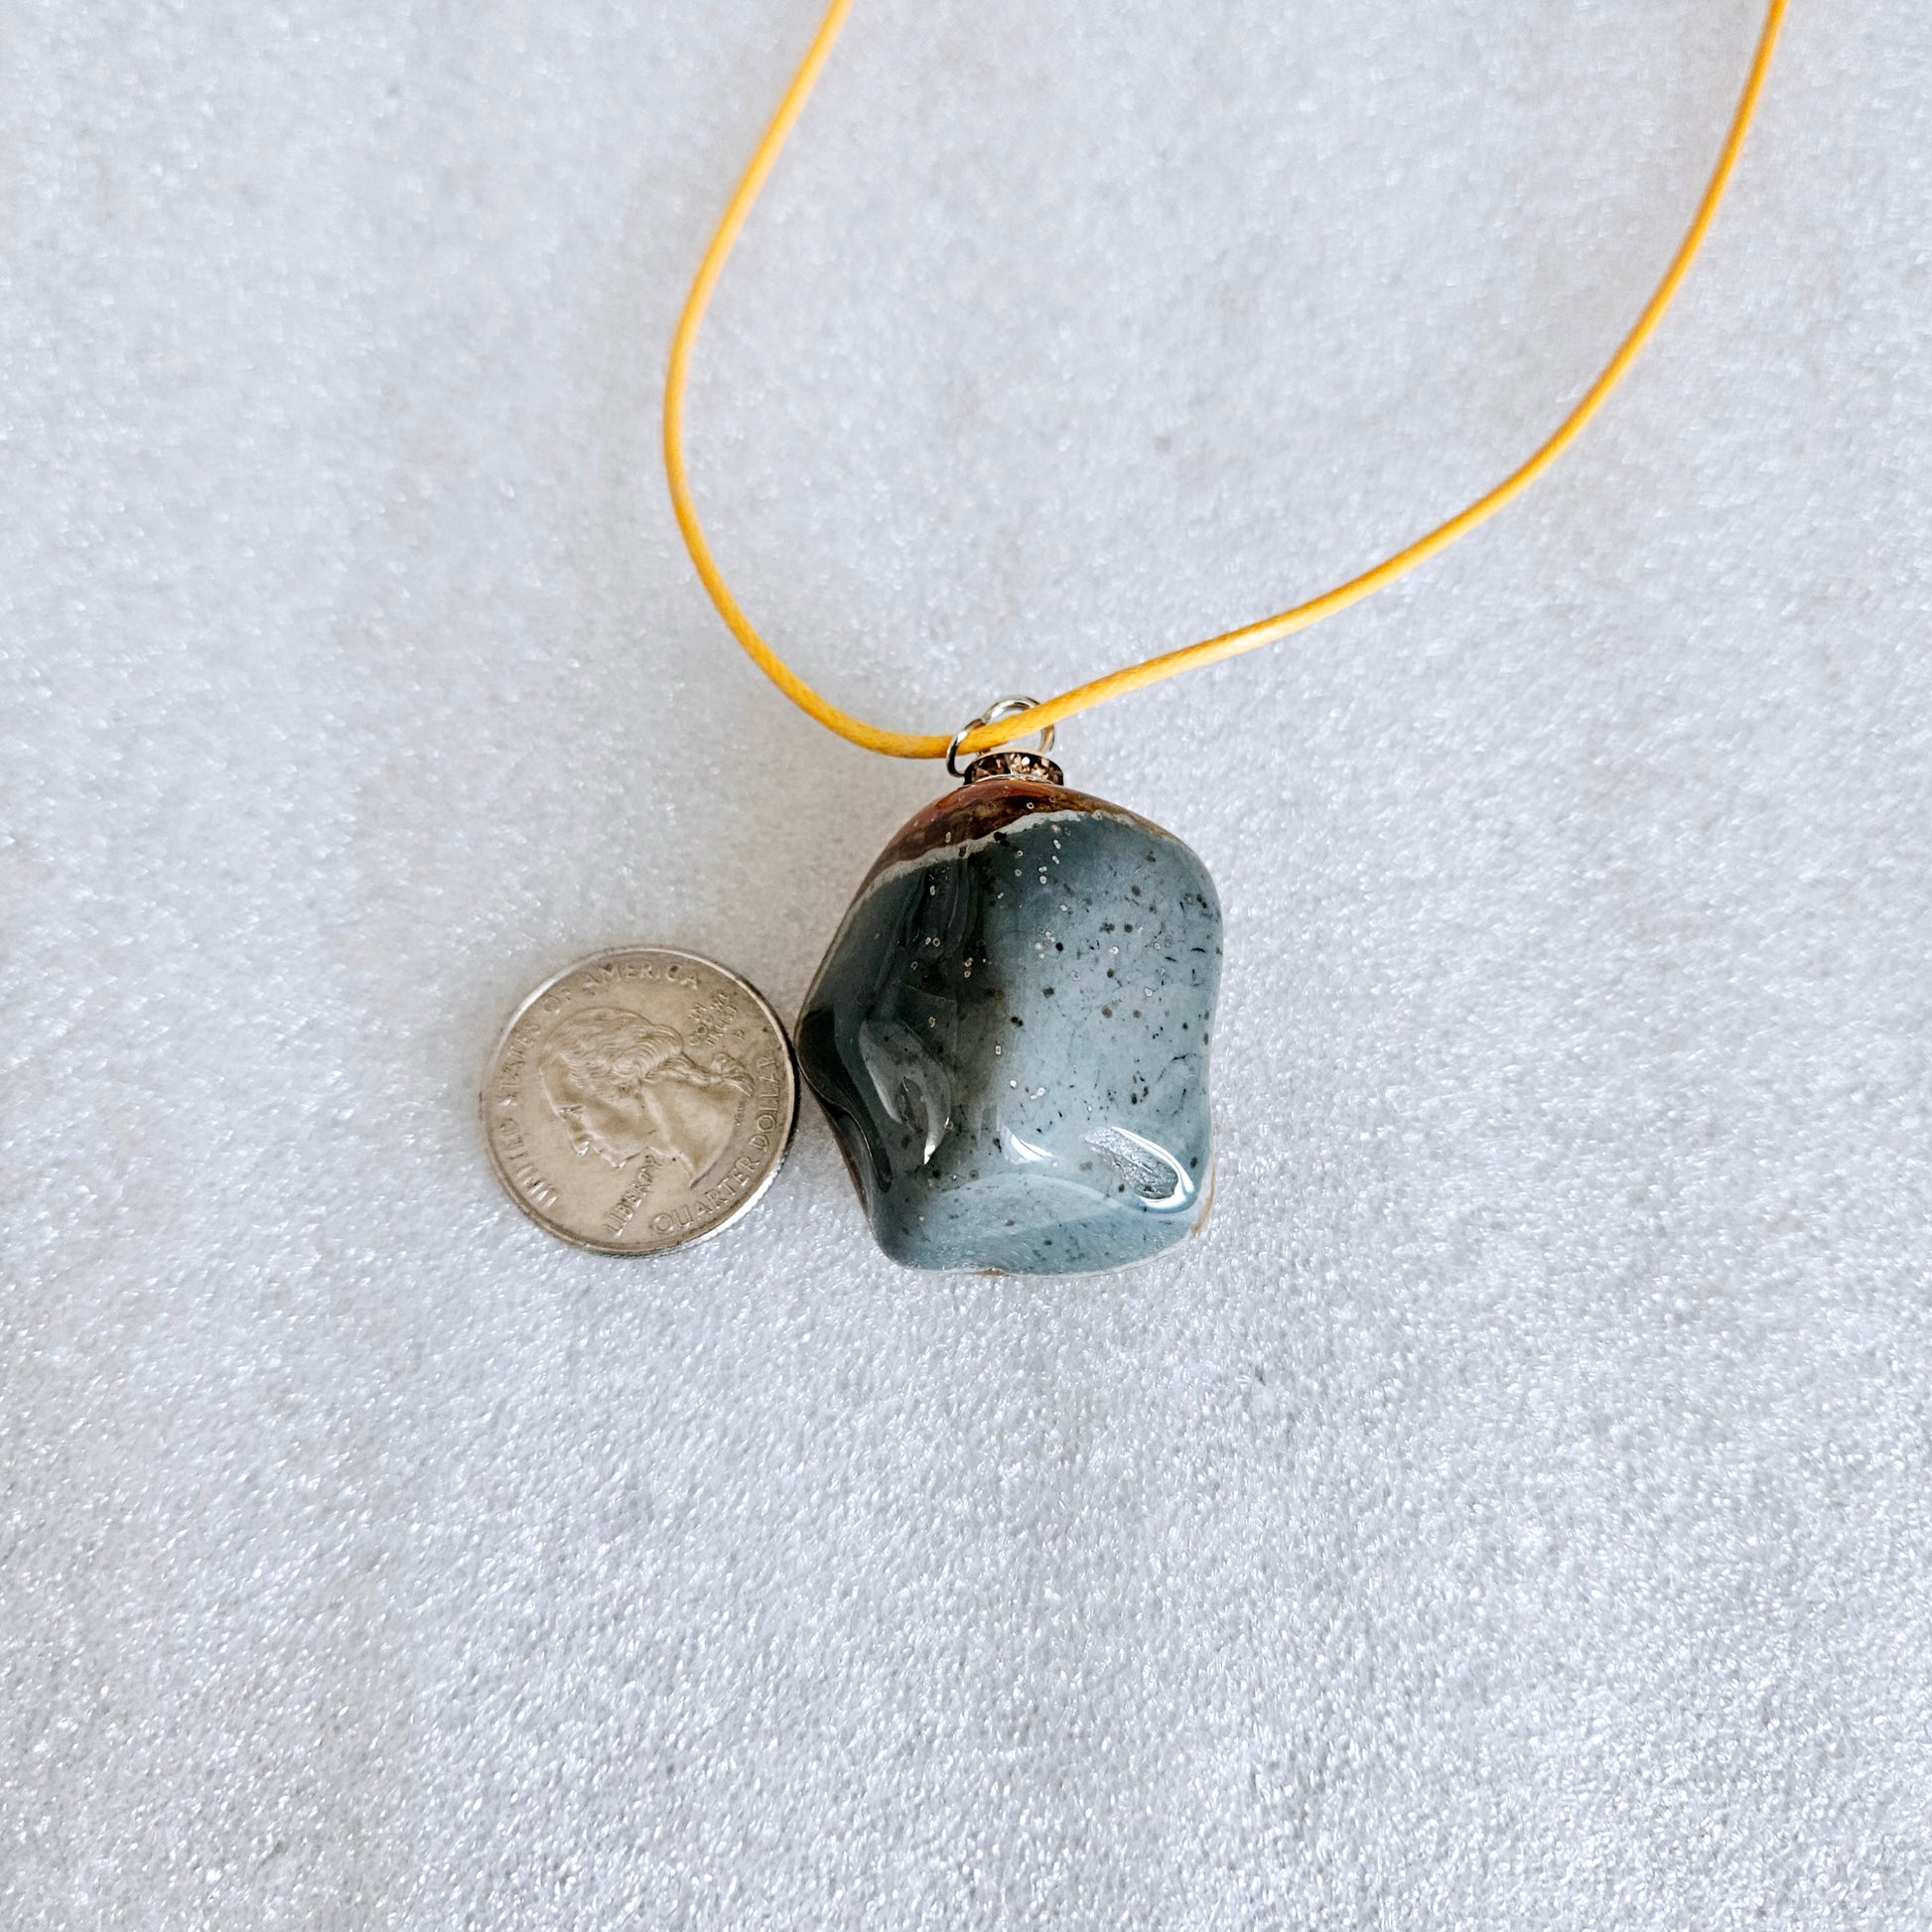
{"x":641,"y":1099}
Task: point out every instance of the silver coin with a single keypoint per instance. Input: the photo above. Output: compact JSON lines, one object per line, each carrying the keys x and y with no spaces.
{"x":641,"y":1099}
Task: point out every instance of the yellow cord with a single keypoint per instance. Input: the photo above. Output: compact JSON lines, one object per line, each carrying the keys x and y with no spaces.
{"x":934,"y":744}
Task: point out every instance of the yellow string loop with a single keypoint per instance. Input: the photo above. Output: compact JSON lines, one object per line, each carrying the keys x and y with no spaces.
{"x":1083,"y":697}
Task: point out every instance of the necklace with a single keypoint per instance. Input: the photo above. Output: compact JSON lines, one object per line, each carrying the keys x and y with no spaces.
{"x":1010,"y":1030}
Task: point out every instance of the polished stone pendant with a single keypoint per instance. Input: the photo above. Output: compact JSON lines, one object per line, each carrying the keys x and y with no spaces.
{"x":1010,"y":1030}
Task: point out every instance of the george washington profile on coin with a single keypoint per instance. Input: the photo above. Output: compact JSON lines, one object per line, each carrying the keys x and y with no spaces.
{"x":625,"y":1086}
{"x":673,"y":1072}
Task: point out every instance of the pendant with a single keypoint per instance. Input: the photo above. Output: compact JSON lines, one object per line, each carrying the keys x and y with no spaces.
{"x":1010,"y":1030}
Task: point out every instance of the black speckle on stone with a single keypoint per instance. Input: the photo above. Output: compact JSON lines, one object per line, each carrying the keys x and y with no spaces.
{"x":1136,"y":891}
{"x":1137,"y":1012}
{"x":1048,"y":989}
{"x":1059,"y":947}
{"x":1012,"y":1019}
{"x":1128,"y":928}
{"x":1106,"y":925}
{"x":1106,"y":1013}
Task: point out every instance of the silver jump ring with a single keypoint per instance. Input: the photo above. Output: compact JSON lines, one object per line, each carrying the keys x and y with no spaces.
{"x":1001,"y":708}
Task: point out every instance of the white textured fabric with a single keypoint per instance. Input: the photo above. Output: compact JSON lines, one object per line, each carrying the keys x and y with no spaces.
{"x":1514,"y":1513}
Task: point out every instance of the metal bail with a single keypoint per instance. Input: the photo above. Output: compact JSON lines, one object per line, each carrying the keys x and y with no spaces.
{"x":1006,"y":762}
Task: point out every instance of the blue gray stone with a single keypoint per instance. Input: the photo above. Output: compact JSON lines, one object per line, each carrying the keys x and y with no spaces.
{"x":1010,"y":1034}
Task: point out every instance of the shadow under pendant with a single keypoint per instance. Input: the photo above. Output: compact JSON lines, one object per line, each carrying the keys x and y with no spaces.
{"x":1010,"y":1030}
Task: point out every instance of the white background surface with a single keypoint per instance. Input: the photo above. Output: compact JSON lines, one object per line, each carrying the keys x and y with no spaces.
{"x":1514,"y":1512}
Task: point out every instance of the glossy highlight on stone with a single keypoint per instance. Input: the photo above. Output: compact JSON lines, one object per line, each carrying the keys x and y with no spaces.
{"x":1009,"y":1032}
